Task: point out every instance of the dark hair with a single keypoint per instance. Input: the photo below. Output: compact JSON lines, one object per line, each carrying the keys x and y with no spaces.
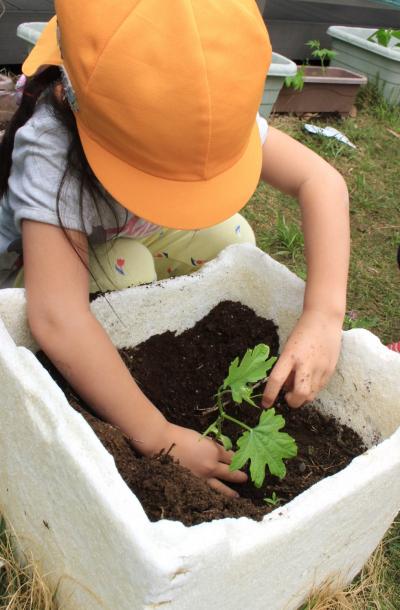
{"x":43,"y":86}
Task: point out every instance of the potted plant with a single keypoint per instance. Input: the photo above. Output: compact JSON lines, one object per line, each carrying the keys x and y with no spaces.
{"x":320,"y":88}
{"x":281,"y":68}
{"x":61,"y":491}
{"x":373,"y":52}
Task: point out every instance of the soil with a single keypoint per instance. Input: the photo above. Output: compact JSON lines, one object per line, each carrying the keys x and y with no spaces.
{"x":188,"y":369}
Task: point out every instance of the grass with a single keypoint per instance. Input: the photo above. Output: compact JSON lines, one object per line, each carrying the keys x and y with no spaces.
{"x":373,"y":176}
{"x":22,"y":587}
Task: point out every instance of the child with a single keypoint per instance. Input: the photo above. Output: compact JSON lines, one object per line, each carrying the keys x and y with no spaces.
{"x":134,"y":166}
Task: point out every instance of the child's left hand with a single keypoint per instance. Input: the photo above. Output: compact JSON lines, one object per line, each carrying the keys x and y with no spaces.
{"x":307,"y":361}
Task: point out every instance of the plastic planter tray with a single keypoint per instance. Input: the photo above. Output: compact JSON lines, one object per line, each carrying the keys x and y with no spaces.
{"x":380,"y":64}
{"x":280,"y":68}
{"x":30,"y":32}
{"x":60,"y":489}
{"x":329,"y":90}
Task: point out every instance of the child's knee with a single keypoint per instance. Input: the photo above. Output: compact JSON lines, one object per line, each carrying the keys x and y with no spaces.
{"x":235,"y":230}
{"x":120,"y":264}
{"x":242,"y":230}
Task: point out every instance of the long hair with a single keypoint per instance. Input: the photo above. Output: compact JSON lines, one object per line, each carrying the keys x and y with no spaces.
{"x":43,"y":86}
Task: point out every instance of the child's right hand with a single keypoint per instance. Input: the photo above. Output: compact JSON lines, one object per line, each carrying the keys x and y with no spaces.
{"x":206,"y":458}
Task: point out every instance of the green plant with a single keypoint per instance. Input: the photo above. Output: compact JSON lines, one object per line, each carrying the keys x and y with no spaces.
{"x":321,"y":54}
{"x":263,"y":445}
{"x":296,"y":81}
{"x":288,"y":236}
{"x":384,"y":36}
{"x":274,"y":500}
{"x":353,"y":320}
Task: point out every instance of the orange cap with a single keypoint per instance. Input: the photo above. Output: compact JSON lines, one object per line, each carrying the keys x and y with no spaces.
{"x":167,"y":96}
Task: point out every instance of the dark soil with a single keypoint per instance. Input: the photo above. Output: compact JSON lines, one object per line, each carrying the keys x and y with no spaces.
{"x":189,"y":368}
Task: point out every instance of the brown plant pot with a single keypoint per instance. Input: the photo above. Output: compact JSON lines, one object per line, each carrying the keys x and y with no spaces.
{"x":329,"y":90}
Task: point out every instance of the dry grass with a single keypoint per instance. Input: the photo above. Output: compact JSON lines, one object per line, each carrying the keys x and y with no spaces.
{"x":372,"y":590}
{"x":22,"y":587}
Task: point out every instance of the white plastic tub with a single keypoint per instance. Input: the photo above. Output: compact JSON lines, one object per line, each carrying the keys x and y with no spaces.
{"x":30,"y":32}
{"x":280,"y":68}
{"x":62,"y":493}
{"x":380,"y":64}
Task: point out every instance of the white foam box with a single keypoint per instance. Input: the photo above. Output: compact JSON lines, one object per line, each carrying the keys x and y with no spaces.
{"x":61,"y":492}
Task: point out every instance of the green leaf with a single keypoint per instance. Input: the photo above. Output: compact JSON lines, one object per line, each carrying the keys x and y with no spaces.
{"x":254,"y":367}
{"x":265,"y":446}
{"x":296,"y":81}
{"x":383,"y":36}
{"x":226,"y":441}
{"x":313,"y":44}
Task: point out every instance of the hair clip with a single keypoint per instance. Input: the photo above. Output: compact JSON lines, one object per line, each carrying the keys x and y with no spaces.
{"x":20,"y":88}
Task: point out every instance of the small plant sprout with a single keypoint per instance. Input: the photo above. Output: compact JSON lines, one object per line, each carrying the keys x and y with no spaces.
{"x":384,"y":36}
{"x":274,"y":500}
{"x":263,"y":445}
{"x":322,"y":54}
{"x":296,"y":81}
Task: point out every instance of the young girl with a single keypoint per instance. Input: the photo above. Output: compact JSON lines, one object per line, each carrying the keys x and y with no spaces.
{"x":128,"y":160}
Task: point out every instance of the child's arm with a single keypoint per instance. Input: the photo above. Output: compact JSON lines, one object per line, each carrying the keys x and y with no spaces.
{"x":310,"y":355}
{"x":61,"y":321}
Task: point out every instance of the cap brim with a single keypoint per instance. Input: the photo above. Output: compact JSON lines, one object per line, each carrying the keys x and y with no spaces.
{"x":46,"y":51}
{"x":177,"y":204}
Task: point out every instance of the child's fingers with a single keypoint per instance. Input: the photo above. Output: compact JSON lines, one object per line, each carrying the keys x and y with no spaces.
{"x":232,"y":476}
{"x":222,"y":489}
{"x":305,"y":388}
{"x":224,"y":456}
{"x":278,"y":377}
{"x":301,"y":392}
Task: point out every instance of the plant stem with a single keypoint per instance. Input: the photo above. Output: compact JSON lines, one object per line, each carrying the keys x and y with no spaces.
{"x":236,"y":421}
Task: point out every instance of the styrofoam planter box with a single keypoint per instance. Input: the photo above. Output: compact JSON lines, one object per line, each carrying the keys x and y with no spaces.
{"x":380,"y":64}
{"x":280,"y":68}
{"x":60,"y":489}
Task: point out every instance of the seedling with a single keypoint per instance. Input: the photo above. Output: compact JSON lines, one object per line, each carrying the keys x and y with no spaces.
{"x":264,"y":446}
{"x":297,"y":81}
{"x":274,"y":500}
{"x":321,"y":54}
{"x":384,"y":36}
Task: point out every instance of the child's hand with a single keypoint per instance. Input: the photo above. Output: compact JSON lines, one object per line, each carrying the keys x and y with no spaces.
{"x":203,"y":456}
{"x":307,"y":361}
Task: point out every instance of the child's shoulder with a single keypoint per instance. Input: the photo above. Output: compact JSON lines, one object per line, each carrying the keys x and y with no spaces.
{"x":43,"y":129}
